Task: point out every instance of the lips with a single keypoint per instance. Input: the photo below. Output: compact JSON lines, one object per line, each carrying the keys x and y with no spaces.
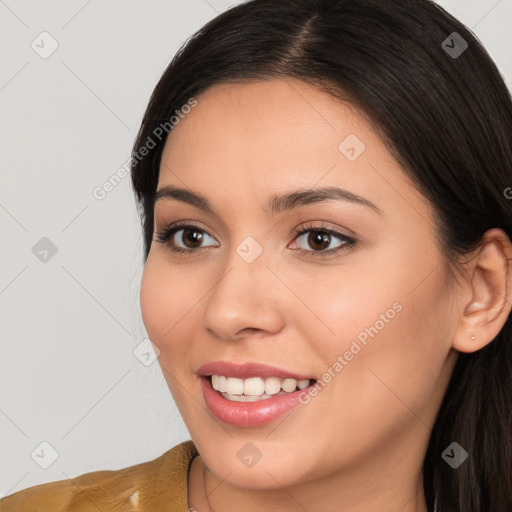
{"x":248,"y":413}
{"x":248,"y":370}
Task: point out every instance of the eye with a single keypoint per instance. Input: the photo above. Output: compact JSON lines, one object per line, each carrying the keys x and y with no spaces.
{"x":190,"y":237}
{"x":321,"y":237}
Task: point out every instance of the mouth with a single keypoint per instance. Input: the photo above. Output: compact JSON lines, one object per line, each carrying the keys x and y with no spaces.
{"x":250,"y":394}
{"x":254,"y":389}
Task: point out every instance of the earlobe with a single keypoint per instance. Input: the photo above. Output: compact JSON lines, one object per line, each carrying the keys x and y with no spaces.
{"x":490,"y":282}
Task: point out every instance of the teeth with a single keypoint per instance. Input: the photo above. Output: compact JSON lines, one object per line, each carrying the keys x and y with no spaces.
{"x":235,"y":386}
{"x":254,"y":388}
{"x":222,"y":383}
{"x":303,"y":383}
{"x":289,"y":385}
{"x":272,"y":385}
{"x":244,"y":398}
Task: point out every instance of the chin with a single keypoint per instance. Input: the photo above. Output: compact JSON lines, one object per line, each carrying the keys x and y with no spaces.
{"x":256,"y":465}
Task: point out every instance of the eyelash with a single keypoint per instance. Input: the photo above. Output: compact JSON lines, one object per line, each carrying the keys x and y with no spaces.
{"x":168,"y":232}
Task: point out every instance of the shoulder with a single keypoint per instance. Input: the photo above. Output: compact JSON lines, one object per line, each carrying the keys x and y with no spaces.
{"x":158,"y":484}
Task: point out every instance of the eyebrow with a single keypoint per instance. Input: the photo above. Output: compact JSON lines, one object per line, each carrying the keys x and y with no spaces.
{"x":276,"y":204}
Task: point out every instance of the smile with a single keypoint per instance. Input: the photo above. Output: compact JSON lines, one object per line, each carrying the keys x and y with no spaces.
{"x":255,"y":388}
{"x":250,"y":394}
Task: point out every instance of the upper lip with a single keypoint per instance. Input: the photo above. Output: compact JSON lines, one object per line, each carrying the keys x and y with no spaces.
{"x":247,"y":370}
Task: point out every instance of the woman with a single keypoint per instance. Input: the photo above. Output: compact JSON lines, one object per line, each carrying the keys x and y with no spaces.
{"x":325,"y":194}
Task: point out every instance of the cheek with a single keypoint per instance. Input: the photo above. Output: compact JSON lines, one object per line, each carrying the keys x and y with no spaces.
{"x":384,"y":305}
{"x":153,"y":301}
{"x":382,"y":338}
{"x":167,"y":301}
{"x":339,"y":305}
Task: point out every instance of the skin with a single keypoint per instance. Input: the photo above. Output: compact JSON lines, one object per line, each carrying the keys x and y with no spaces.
{"x":360,"y":443}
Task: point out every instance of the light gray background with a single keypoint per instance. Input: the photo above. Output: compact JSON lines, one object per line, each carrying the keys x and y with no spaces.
{"x":69,"y":326}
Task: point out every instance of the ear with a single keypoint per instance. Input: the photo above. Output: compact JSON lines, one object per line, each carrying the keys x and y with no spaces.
{"x":490,"y":285}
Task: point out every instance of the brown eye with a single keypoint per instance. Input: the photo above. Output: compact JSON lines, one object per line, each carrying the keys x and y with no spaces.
{"x":319,"y":240}
{"x":188,"y":241}
{"x":190,"y":237}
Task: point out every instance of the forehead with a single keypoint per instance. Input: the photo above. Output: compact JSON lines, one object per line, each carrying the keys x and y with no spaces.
{"x":285,"y":110}
{"x":279,"y":124}
{"x":254,"y":139}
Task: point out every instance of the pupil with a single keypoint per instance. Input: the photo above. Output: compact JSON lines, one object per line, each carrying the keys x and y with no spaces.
{"x":191,"y":235}
{"x":318,"y":237}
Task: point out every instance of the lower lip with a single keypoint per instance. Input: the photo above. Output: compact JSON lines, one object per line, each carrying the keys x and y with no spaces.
{"x":248,"y":414}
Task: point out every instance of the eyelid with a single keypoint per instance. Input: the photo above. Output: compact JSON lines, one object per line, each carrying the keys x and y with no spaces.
{"x":182,"y":223}
{"x":323,"y":226}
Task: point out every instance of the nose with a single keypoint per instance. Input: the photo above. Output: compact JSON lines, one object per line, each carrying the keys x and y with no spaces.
{"x":244,"y":301}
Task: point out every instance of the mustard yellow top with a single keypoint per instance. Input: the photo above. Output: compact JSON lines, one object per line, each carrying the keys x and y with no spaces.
{"x":157,"y":485}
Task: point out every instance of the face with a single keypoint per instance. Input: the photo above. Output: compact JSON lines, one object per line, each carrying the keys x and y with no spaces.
{"x":345,"y":293}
